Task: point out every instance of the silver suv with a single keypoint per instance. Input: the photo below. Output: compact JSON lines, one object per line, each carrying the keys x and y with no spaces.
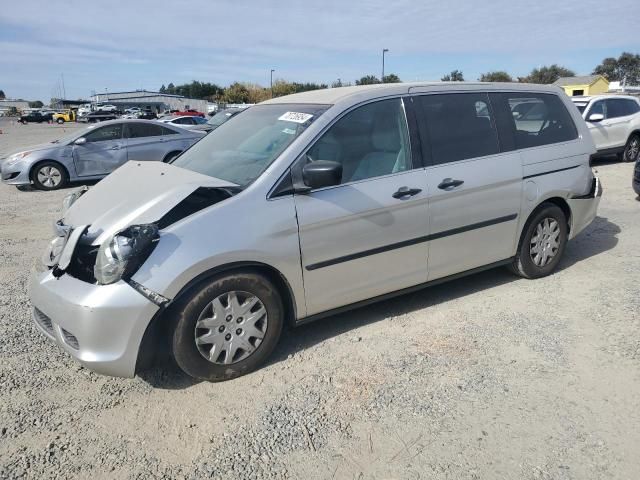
{"x":306,"y":205}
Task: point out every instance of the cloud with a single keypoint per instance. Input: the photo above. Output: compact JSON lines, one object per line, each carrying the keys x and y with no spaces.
{"x":153,"y":42}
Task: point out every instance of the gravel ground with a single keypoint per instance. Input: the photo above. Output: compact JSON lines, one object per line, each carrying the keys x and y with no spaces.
{"x":487,"y":377}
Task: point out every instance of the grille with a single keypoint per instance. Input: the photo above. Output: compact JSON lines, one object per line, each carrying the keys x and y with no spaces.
{"x":81,"y":266}
{"x":43,"y":321}
{"x":70,"y":339}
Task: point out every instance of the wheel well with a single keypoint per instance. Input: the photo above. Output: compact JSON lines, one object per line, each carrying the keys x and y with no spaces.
{"x":40,"y":162}
{"x":171,"y":154}
{"x":157,"y":330}
{"x":564,"y":206}
{"x":635,"y":132}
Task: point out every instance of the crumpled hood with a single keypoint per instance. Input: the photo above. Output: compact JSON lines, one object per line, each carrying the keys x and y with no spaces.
{"x":136,"y":193}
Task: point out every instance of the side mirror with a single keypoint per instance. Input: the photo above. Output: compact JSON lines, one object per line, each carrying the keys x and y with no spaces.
{"x":80,"y":141}
{"x":595,"y":117}
{"x":322,"y":173}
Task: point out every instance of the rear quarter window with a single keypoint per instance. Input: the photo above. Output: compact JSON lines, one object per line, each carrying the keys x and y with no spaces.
{"x":527,"y":120}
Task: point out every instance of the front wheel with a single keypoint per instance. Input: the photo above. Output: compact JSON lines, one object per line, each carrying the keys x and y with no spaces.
{"x":60,"y":121}
{"x":227,"y":327}
{"x":49,"y":176}
{"x":542,"y":244}
{"x":632,"y":149}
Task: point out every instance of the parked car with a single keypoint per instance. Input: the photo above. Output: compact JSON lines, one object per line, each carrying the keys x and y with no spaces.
{"x":64,"y":116}
{"x":307,"y":205}
{"x":222,"y":116}
{"x":183,"y":113}
{"x":95,"y":152}
{"x":106,"y":108}
{"x":133,"y":110}
{"x":614,"y":124}
{"x":35,"y":117}
{"x":188,"y":122}
{"x":99,"y":116}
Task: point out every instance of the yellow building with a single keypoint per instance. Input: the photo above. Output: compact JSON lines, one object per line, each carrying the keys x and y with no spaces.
{"x":588,"y":85}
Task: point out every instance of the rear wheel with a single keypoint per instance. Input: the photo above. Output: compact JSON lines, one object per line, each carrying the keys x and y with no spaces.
{"x":49,"y":176}
{"x":632,"y":149}
{"x":60,"y":121}
{"x":543,"y":242}
{"x":227,"y":327}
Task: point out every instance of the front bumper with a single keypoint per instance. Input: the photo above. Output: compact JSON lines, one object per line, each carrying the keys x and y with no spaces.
{"x":101,"y":326}
{"x":584,"y":208}
{"x":15,"y":174}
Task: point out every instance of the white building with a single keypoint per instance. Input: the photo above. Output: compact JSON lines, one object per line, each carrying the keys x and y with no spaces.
{"x":618,"y":88}
{"x":156,"y":101}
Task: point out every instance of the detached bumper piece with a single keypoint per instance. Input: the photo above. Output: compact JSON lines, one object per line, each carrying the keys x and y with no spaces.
{"x":594,"y":192}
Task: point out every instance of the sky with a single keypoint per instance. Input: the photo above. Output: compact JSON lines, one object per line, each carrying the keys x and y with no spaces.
{"x":142,"y":44}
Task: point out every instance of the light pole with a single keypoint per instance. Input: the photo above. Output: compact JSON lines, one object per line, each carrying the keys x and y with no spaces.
{"x":271,"y":82}
{"x":384,"y":50}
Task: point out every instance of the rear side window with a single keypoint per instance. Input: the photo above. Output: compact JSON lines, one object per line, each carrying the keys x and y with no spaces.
{"x":456,"y":126}
{"x":139,"y":130}
{"x":168,"y":131}
{"x":621,"y":107}
{"x":532,"y":120}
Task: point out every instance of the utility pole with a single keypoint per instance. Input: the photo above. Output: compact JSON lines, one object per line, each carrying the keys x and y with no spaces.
{"x":64,"y":90}
{"x":271,"y":82}
{"x":384,"y":50}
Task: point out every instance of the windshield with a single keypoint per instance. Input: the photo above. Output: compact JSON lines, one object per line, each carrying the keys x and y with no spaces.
{"x":221,"y":117}
{"x":72,"y":136}
{"x":240,"y":149}
{"x":580,"y":106}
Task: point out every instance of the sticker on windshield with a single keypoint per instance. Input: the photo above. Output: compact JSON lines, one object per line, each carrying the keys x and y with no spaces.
{"x":296,"y":117}
{"x":289,"y":131}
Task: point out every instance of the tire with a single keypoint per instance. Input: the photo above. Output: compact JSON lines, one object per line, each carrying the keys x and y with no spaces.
{"x":60,"y":121}
{"x":227,"y":328}
{"x":44,"y":177}
{"x":631,"y":149}
{"x":170,"y":156}
{"x":529,"y":265}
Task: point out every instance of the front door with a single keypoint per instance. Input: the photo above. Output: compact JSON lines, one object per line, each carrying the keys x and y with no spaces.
{"x":103,"y":152}
{"x":367,"y":236}
{"x":474,"y":189}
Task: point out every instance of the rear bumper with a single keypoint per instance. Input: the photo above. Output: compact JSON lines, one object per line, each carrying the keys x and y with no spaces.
{"x":584,"y":208}
{"x":101,"y":326}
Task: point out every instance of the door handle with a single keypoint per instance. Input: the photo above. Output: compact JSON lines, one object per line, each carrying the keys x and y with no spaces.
{"x":448,"y":183}
{"x":406,"y":192}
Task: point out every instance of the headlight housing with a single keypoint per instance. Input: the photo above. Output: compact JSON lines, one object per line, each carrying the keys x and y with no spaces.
{"x":16,"y":157}
{"x":120,"y":256}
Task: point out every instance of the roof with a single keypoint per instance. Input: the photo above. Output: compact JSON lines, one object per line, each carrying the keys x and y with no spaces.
{"x":584,"y":80}
{"x":588,"y":98}
{"x":330,"y":96}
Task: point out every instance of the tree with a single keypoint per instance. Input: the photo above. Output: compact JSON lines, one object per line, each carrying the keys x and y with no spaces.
{"x":497,"y":76}
{"x":368,"y":80}
{"x":2,"y":96}
{"x":36,"y":104}
{"x":391,"y":78}
{"x":547,"y":75}
{"x":454,"y":76}
{"x":163,"y":89}
{"x":236,"y":93}
{"x":171,"y":89}
{"x":616,"y":69}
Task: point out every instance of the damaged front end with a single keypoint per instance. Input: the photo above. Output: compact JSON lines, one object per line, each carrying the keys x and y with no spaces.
{"x":97,"y":254}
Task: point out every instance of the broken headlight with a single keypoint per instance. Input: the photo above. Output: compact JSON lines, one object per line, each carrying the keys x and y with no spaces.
{"x":71,"y":198}
{"x":121,"y":255}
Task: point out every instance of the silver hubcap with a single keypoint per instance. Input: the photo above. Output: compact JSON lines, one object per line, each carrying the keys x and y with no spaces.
{"x":545,"y":242}
{"x":633,"y":149}
{"x":231,"y":327}
{"x":49,"y":176}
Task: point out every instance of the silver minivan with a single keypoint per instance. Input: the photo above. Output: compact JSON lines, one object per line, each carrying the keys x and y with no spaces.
{"x":307,"y":205}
